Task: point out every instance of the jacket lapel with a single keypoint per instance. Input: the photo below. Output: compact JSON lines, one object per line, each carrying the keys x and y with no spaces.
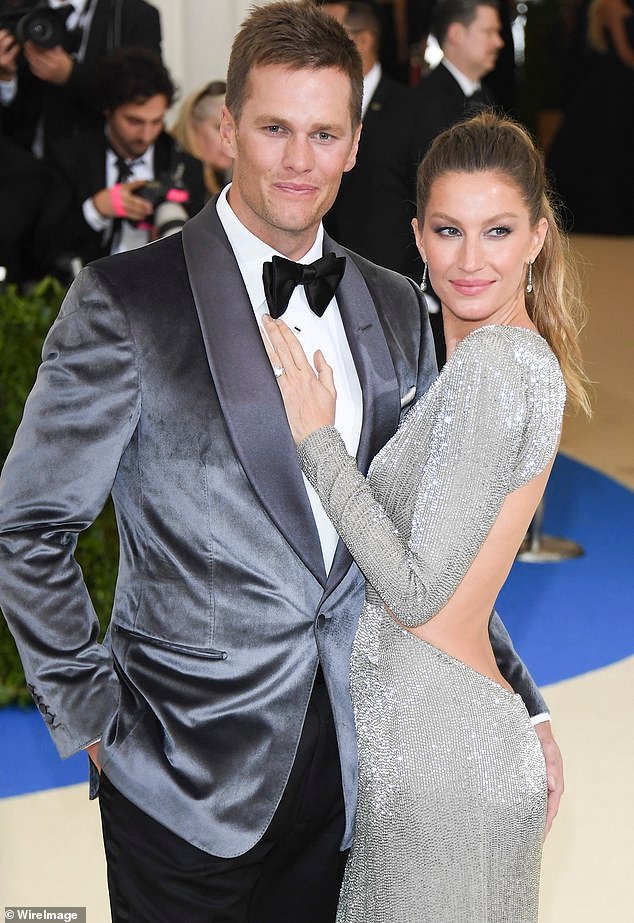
{"x":377,"y":377}
{"x":247,"y":391}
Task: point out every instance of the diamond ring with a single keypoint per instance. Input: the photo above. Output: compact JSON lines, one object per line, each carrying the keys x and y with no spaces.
{"x":278,"y":370}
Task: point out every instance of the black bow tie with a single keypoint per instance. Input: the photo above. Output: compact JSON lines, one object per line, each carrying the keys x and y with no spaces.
{"x":320,"y":280}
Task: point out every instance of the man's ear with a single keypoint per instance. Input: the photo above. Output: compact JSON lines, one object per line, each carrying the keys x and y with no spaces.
{"x":454,"y":34}
{"x":352,"y":157}
{"x":228,"y":132}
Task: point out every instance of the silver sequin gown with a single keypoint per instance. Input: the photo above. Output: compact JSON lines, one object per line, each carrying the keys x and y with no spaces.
{"x":452,"y":787}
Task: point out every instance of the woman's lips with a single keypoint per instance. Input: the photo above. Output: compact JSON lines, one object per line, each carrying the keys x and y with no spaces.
{"x":470,"y":287}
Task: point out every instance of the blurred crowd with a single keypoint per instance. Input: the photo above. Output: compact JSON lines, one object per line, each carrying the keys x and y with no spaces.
{"x":88,"y":166}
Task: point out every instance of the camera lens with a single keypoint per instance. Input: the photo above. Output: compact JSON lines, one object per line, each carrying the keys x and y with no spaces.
{"x":43,"y":27}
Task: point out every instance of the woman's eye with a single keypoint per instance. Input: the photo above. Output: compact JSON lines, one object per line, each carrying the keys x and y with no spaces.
{"x":447,"y":231}
{"x":500,"y":231}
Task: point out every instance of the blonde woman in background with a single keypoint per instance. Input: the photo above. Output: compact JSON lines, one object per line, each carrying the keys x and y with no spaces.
{"x":197,"y":131}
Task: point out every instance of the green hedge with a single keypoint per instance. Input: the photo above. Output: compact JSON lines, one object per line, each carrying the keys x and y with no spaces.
{"x":24,"y":322}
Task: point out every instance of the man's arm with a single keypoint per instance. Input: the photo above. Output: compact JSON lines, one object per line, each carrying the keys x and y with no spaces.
{"x":77,"y":422}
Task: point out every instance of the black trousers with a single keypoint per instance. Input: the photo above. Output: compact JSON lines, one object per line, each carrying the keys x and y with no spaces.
{"x":292,"y":875}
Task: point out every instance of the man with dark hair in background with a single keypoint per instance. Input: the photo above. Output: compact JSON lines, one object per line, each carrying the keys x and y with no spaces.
{"x":374,"y":208}
{"x":220,"y":698}
{"x":96,"y":207}
{"x":468,"y":31}
{"x":47,"y":93}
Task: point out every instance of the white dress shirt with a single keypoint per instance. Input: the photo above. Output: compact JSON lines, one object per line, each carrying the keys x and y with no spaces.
{"x":325,"y":333}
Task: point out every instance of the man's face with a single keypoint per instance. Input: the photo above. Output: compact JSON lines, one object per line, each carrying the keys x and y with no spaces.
{"x":133,"y":127}
{"x":481,"y":42}
{"x":292,"y":143}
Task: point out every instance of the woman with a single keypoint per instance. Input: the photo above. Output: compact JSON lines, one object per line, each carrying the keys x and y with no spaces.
{"x":452,"y":789}
{"x":197,"y":130}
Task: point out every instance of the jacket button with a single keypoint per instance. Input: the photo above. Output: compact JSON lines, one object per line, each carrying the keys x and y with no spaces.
{"x":321,"y":620}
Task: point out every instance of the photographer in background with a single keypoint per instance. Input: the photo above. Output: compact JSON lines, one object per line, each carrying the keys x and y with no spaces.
{"x":105,"y":201}
{"x":47,"y":92}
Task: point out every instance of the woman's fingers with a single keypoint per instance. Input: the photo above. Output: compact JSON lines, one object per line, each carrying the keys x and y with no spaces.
{"x":271,"y":352}
{"x":324,"y":373}
{"x":295,"y":348}
{"x":287,"y":346}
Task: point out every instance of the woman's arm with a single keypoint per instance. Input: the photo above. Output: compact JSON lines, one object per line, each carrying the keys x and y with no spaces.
{"x":474,"y":448}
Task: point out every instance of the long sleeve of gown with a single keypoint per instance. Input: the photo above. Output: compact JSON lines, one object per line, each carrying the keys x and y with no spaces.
{"x":492,"y":425}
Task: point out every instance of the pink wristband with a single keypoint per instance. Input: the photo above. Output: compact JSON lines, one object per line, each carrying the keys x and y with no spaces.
{"x":117,"y":201}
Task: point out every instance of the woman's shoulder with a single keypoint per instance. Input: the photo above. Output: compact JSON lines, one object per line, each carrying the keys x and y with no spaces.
{"x":508,"y":371}
{"x":525,"y":389}
{"x":517,"y":351}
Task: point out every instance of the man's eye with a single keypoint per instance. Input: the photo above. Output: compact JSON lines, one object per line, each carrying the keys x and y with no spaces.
{"x":274,"y":129}
{"x":324,"y":136}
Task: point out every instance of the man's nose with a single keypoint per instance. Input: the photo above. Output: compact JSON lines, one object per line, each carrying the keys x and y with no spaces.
{"x":147,"y":134}
{"x":298,"y":154}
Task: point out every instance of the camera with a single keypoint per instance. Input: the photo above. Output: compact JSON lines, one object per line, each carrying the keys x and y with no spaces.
{"x":42,"y":26}
{"x":169,"y":195}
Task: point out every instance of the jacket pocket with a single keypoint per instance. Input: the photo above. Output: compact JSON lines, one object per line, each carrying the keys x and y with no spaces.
{"x":208,"y":653}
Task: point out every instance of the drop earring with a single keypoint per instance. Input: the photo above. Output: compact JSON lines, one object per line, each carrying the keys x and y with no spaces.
{"x":529,"y":278}
{"x":423,"y":284}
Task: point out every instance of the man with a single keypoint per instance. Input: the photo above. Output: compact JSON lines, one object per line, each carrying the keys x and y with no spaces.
{"x":468,"y":31}
{"x":227,"y":747}
{"x":46,"y":93}
{"x":96,"y":208}
{"x":373,"y":211}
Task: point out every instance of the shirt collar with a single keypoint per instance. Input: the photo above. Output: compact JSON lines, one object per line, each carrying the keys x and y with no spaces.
{"x":251,"y":252}
{"x":467,"y":86}
{"x":371,"y":81}
{"x":146,"y":158}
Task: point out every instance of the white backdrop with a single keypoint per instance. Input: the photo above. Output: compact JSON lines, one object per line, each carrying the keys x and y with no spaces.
{"x":197,"y":37}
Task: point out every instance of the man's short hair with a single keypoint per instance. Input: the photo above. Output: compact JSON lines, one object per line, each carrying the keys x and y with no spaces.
{"x":296,"y":36}
{"x":446,"y":12}
{"x":132,"y":75}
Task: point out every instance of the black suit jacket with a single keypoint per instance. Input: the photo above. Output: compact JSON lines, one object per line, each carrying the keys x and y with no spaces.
{"x":441,"y":103}
{"x":71,"y":107}
{"x":376,"y":202}
{"x":80,"y":168}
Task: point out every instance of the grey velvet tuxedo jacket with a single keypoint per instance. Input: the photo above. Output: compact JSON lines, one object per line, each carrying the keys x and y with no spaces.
{"x":155,"y":386}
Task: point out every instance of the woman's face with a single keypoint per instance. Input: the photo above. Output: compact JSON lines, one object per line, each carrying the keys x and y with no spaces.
{"x":477,"y":240}
{"x":208,"y":141}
